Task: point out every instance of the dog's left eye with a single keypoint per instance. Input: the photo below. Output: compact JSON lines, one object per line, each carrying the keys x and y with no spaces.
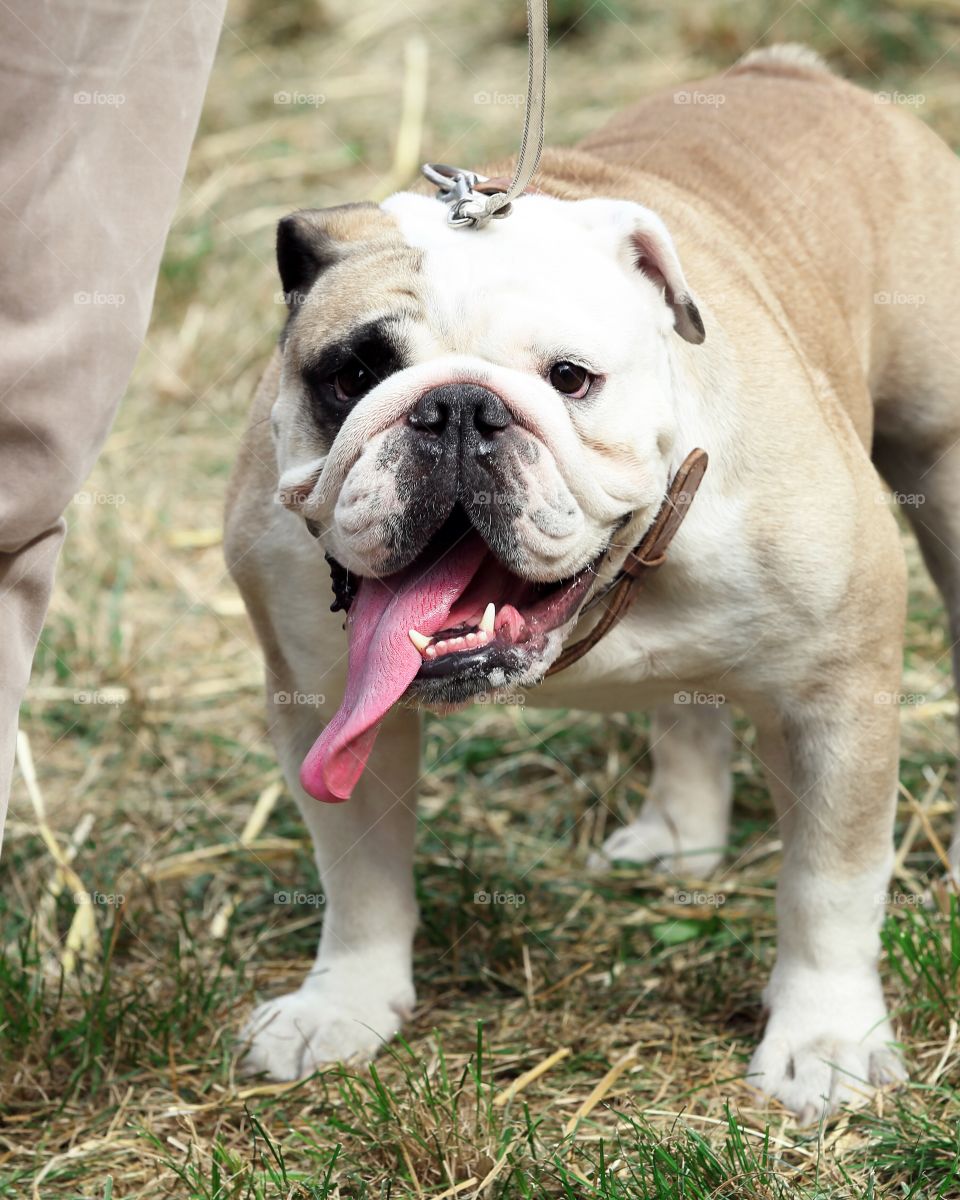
{"x":570,"y":379}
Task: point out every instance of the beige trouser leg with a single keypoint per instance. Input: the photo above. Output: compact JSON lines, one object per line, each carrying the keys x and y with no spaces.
{"x":98,"y":107}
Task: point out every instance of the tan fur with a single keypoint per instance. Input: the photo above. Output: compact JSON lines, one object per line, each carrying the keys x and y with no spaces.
{"x":370,"y":249}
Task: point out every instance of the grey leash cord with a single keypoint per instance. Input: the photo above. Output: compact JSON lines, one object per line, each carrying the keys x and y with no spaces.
{"x":470,"y":209}
{"x":534,"y":113}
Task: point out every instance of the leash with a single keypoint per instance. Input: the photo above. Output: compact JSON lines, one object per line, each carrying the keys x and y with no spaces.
{"x":474,"y":199}
{"x":648,"y":554}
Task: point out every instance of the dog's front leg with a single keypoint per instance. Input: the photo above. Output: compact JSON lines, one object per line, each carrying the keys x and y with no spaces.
{"x":361,"y":986}
{"x":832,"y":765}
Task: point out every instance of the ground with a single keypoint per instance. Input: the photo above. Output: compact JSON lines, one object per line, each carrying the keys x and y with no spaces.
{"x":638,"y":993}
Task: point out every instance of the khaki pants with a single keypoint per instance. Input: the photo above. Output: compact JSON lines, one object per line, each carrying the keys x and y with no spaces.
{"x":99,"y":101}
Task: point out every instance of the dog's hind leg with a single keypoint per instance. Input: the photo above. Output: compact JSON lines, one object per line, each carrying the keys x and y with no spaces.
{"x":915,"y":368}
{"x":926,"y":484}
{"x":685,"y":818}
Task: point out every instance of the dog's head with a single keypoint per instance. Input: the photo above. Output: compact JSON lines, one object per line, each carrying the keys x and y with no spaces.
{"x":478,"y":417}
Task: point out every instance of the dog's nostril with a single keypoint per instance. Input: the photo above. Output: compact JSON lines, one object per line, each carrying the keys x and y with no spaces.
{"x":430,"y":415}
{"x":490,"y":414}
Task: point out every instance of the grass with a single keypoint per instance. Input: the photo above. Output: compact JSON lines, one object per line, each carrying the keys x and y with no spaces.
{"x":144,"y":721}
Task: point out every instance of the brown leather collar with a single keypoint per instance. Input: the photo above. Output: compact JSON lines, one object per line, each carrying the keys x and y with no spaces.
{"x":646,"y":556}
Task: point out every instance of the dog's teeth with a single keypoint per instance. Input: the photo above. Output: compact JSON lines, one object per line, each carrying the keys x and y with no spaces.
{"x":471,"y":640}
{"x":419,"y":640}
{"x":486,"y":621}
{"x":431,"y":652}
{"x":483,"y":637}
{"x":441,"y":645}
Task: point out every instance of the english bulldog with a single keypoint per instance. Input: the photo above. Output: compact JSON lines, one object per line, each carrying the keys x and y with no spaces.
{"x":473,"y":428}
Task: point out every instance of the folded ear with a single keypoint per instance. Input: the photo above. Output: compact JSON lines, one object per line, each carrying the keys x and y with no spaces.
{"x":656,"y":257}
{"x":310,"y":241}
{"x":644,"y":241}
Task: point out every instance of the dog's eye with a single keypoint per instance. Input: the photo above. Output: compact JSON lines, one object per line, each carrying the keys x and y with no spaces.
{"x":347,"y":371}
{"x":353,"y":380}
{"x":570,"y":379}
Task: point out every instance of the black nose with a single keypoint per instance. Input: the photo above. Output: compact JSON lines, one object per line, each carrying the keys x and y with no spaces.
{"x":463,"y":412}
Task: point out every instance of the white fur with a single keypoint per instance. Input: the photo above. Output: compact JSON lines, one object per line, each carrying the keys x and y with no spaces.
{"x":360,"y":989}
{"x":556,"y":281}
{"x":828,"y":1038}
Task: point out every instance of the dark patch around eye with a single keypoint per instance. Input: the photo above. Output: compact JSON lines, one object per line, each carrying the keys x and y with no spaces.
{"x":370,"y":354}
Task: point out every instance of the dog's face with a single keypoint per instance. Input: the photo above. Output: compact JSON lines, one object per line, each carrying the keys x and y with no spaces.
{"x":508,"y":389}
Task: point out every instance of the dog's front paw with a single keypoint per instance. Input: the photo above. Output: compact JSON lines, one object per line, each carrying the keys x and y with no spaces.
{"x":654,"y":838}
{"x":827,"y":1050}
{"x":290,"y":1036}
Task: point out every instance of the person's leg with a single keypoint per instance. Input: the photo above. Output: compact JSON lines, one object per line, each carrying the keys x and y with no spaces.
{"x":98,"y":108}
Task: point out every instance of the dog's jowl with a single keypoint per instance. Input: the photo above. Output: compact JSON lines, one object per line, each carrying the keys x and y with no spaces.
{"x":475,"y":428}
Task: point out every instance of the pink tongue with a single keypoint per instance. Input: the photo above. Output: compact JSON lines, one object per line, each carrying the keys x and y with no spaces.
{"x":383,"y":661}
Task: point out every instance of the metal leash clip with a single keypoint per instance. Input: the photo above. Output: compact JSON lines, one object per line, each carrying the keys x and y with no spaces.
{"x":470,"y":206}
{"x":457,"y":187}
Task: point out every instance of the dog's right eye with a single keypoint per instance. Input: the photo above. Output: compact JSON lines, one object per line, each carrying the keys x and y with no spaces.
{"x":353,"y":381}
{"x":346,"y":372}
